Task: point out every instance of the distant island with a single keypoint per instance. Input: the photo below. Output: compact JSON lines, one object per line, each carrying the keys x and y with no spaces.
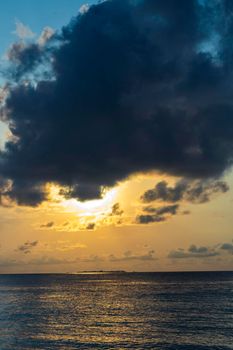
{"x":99,"y":271}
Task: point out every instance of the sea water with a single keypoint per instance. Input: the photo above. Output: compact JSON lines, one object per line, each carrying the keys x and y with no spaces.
{"x":185,"y":311}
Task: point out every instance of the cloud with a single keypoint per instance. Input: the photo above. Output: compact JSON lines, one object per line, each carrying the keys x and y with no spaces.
{"x":90,"y":226}
{"x":116,"y":210}
{"x":27,"y":247}
{"x":47,"y":224}
{"x":45,"y":35}
{"x":23,"y":58}
{"x":84,"y":8}
{"x":63,"y":246}
{"x":227,"y":247}
{"x":193,"y":252}
{"x":186,"y":212}
{"x":126,"y":87}
{"x":23,"y":31}
{"x":129,"y":256}
{"x":190,"y":191}
{"x":9,"y":262}
{"x":47,"y":260}
{"x":158,"y":214}
{"x":93,"y":259}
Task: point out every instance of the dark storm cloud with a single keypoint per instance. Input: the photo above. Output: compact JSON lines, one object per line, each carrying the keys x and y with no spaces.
{"x":24,"y":192}
{"x":27,"y":247}
{"x":133,"y":86}
{"x":159,"y":214}
{"x":84,"y":192}
{"x":25,"y":57}
{"x":193,"y":252}
{"x":191,"y":191}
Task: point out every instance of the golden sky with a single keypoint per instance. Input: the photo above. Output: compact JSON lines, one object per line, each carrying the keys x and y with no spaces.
{"x":69,"y":236}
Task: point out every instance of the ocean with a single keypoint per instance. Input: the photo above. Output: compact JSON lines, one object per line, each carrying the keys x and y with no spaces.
{"x":183,"y":311}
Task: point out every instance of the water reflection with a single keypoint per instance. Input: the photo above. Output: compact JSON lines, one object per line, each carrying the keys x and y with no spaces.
{"x":117,"y":311}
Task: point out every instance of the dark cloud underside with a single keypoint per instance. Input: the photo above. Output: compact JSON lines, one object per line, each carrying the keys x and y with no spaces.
{"x":159,"y":214}
{"x":126,"y":87}
{"x":191,"y":191}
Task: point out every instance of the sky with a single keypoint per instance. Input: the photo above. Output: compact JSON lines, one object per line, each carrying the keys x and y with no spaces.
{"x":116,"y":136}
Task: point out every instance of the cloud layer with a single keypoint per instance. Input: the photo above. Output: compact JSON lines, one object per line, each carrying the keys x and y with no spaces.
{"x":194,"y":252}
{"x":128,"y":86}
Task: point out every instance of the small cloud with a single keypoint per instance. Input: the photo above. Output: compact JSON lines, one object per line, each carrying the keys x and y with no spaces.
{"x":193,"y":252}
{"x":195,"y":249}
{"x":116,"y":210}
{"x":227,"y":247}
{"x":23,"y":31}
{"x":47,"y":225}
{"x":27,"y":247}
{"x":186,"y":212}
{"x":47,"y":260}
{"x":90,"y":226}
{"x":128,"y":256}
{"x":168,"y":209}
{"x":83,"y":9}
{"x":65,"y":246}
{"x":147,"y":219}
{"x":159,"y":214}
{"x":45,"y":35}
{"x":9,"y":262}
{"x":93,"y":258}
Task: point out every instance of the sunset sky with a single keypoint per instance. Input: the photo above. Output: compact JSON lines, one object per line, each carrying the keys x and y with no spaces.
{"x":116,"y":135}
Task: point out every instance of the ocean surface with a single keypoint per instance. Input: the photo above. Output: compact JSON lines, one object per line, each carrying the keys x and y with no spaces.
{"x":117,"y":311}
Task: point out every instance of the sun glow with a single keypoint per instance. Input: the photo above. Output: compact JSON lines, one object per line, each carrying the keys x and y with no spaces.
{"x":93,"y":214}
{"x":87,"y":208}
{"x":93,"y":207}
